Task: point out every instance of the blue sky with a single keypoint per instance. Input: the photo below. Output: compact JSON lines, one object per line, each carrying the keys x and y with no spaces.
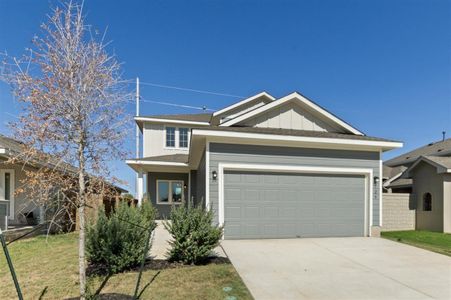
{"x":383,"y":66}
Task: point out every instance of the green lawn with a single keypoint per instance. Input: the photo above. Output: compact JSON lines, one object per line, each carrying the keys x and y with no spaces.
{"x":52,"y":265}
{"x":433,"y":241}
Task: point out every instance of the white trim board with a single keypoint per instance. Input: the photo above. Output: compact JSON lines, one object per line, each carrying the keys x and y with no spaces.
{"x":242,"y":102}
{"x":293,"y":97}
{"x":297,"y":139}
{"x":368,"y":173}
{"x":207,"y":176}
{"x":380,"y":188}
{"x":155,"y":163}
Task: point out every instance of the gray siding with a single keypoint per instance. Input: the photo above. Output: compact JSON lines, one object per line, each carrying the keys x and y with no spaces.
{"x":200,"y":181}
{"x":193,"y":184}
{"x":233,"y":153}
{"x":163,"y":209}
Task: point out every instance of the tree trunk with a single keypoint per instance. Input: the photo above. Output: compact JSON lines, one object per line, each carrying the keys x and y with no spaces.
{"x":81,"y":219}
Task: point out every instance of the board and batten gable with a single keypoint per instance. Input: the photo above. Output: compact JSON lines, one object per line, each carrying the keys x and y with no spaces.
{"x":154,"y":139}
{"x":290,"y":156}
{"x":292,"y":116}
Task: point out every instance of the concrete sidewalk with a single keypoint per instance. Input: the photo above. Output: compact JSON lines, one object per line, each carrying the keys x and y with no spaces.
{"x":160,"y":243}
{"x":339,"y":268}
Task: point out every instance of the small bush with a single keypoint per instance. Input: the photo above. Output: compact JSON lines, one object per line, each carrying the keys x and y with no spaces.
{"x":117,"y":242}
{"x":194,"y":235}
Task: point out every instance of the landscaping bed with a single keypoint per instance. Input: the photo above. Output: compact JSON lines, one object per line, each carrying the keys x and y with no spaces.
{"x":433,"y":241}
{"x":50,"y":267}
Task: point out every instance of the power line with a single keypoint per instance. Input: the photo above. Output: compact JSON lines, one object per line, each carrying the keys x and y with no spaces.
{"x":204,"y":108}
{"x":189,"y":89}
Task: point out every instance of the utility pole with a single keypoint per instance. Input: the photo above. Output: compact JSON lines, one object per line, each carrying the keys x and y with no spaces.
{"x":138,"y":174}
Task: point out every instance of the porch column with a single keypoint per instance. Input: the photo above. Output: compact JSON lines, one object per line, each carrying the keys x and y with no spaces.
{"x":140,"y":188}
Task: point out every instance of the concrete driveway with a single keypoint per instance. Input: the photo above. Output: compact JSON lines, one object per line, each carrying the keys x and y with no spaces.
{"x":339,"y":268}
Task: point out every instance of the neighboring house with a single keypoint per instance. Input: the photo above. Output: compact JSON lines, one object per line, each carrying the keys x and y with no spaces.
{"x":426,"y":173}
{"x":268,"y":168}
{"x":16,"y":206}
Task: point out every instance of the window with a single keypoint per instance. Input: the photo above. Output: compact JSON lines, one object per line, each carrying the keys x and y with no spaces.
{"x":7,"y":186}
{"x":170,"y":191}
{"x":427,"y":202}
{"x":183,"y":137}
{"x":170,"y":136}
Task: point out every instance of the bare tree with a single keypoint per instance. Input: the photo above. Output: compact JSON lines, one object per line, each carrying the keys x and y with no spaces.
{"x":72,"y":115}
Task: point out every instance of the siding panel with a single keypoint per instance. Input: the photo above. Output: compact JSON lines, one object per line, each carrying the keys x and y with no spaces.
{"x":232,"y":153}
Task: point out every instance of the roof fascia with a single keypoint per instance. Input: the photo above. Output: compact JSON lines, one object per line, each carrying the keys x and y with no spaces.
{"x":238,"y":104}
{"x":382,"y":145}
{"x":440,"y":168}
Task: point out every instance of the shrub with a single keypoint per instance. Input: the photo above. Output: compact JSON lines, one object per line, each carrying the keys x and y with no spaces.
{"x":117,"y":242}
{"x":194,"y":235}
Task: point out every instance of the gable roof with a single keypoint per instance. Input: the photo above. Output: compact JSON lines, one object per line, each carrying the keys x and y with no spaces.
{"x":10,"y":145}
{"x":247,"y":100}
{"x":303,"y":100}
{"x":441,"y":148}
{"x":399,"y":182}
{"x":443,"y":164}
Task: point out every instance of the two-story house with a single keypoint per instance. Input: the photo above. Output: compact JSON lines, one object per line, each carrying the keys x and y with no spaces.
{"x":268,"y":168}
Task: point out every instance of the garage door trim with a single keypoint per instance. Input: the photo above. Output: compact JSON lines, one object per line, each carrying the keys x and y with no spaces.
{"x":368,"y":173}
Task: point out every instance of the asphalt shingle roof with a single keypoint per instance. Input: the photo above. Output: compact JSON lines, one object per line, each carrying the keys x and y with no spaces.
{"x":10,"y":144}
{"x":444,"y":161}
{"x":441,"y":148}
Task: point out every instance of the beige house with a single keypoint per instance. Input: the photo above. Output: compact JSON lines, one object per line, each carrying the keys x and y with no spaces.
{"x":426,"y":174}
{"x":18,"y":209}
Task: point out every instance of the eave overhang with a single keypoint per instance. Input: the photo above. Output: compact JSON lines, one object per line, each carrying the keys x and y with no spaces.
{"x":292,"y":141}
{"x":157,"y":166}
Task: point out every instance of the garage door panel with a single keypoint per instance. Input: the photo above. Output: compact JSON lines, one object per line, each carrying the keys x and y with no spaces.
{"x":272,"y":205}
{"x":252,"y":212}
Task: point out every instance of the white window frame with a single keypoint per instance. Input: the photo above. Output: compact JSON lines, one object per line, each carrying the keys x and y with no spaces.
{"x":12,"y":190}
{"x":170,"y":202}
{"x":176,"y":138}
{"x":166,"y":137}
{"x":187,"y":137}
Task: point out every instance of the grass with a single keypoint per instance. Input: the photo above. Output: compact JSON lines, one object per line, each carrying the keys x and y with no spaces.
{"x":52,"y":265}
{"x":433,"y":241}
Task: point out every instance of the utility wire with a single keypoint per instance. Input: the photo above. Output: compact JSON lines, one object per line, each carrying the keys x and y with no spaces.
{"x":184,"y":89}
{"x":204,"y":108}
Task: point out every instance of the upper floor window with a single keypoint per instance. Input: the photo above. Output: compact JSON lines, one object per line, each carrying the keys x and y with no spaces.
{"x":427,"y":202}
{"x":170,"y":136}
{"x":183,"y":137}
